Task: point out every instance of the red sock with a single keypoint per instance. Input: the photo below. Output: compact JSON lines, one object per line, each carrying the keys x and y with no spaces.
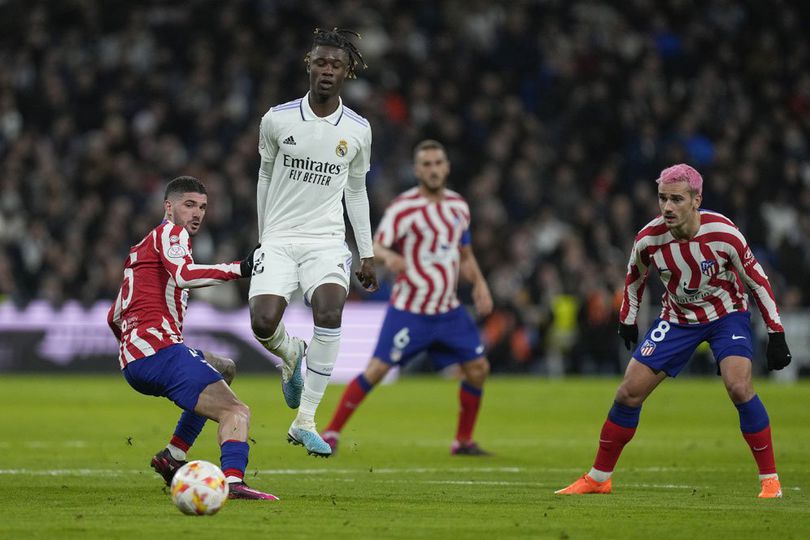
{"x":354,"y":394}
{"x":179,"y":443}
{"x":234,"y":472}
{"x":611,"y":442}
{"x":470,"y":399}
{"x":762,"y":448}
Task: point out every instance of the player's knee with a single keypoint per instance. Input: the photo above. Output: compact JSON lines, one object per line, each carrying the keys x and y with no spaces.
{"x":375,"y":371}
{"x":328,"y":317}
{"x":628,"y":396}
{"x":739,"y":391}
{"x":484,"y":368}
{"x":476,"y":372}
{"x":263,"y":324}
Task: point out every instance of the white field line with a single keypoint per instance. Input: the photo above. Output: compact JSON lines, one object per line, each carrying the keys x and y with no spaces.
{"x":516,"y":443}
{"x":303,"y":472}
{"x":381,"y":471}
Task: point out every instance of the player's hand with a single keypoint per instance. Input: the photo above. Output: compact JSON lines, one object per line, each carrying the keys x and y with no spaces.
{"x":246,"y":264}
{"x":482,"y":298}
{"x":629,"y":333}
{"x":395,"y":263}
{"x":778,"y":354}
{"x":367,"y":275}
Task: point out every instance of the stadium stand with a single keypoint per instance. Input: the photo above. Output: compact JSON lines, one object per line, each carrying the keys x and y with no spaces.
{"x":558,"y":117}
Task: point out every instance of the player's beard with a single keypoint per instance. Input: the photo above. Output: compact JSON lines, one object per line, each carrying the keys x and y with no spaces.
{"x":433,"y":188}
{"x":190,"y":226}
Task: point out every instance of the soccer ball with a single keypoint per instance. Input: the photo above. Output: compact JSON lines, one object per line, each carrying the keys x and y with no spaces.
{"x":199,"y":488}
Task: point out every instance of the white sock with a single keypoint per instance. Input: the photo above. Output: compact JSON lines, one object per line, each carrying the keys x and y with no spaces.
{"x":233,"y":480}
{"x":599,"y":476}
{"x":177,"y":453}
{"x":321,"y":356}
{"x":279,"y":343}
{"x":764,"y":476}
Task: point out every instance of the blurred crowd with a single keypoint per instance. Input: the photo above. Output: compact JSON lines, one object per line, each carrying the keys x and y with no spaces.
{"x":557,"y":115}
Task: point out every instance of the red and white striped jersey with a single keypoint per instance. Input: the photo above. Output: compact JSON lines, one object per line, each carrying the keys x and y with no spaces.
{"x":428,"y":235}
{"x":148,"y":312}
{"x":701,"y":276}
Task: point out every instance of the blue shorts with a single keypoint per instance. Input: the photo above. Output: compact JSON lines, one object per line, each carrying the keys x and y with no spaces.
{"x":449,"y":338}
{"x":176,"y":372}
{"x":668,"y":346}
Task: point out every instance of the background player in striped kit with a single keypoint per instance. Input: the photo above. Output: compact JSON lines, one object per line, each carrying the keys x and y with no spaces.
{"x":424,"y":239}
{"x":314,"y":153}
{"x":700,"y":257}
{"x":147,"y":320}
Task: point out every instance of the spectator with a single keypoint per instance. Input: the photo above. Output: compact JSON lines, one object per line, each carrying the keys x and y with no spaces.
{"x":556,"y":117}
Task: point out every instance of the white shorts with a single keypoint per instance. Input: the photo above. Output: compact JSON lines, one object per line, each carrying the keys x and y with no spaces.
{"x":281,"y":269}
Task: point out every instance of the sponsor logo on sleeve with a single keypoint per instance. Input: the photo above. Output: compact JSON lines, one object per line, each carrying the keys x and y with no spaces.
{"x":748,"y":258}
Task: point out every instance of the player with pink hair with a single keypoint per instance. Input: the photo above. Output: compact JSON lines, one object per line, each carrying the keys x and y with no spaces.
{"x":682,"y":173}
{"x":701,"y":257}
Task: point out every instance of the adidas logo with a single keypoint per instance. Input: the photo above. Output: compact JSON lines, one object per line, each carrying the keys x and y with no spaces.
{"x":289,"y":140}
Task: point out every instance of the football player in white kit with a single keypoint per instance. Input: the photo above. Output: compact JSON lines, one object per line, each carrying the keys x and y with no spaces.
{"x":314,"y":152}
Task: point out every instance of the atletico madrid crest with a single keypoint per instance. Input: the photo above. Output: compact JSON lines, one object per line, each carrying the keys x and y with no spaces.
{"x":647,"y":348}
{"x":709,"y":267}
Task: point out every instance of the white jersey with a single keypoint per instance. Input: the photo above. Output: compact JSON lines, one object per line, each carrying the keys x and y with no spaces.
{"x":311,"y":159}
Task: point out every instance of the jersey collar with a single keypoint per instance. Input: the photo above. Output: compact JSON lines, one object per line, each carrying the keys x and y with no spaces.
{"x":308,"y":115}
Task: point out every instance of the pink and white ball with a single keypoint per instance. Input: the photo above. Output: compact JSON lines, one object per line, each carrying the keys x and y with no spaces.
{"x":199,"y":488}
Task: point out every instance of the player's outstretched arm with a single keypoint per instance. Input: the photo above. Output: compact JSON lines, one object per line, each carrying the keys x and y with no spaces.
{"x":470,"y":271}
{"x":174,"y":246}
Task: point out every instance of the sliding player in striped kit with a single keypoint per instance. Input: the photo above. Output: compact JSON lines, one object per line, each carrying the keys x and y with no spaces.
{"x":424,"y":239}
{"x":147,"y":320}
{"x":315,"y":152}
{"x":701,"y":258}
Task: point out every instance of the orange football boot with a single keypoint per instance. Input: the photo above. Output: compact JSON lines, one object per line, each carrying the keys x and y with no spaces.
{"x":771,"y":488}
{"x":585,"y":484}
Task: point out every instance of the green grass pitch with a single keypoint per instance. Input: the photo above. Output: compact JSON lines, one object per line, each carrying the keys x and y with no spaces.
{"x":74,"y":455}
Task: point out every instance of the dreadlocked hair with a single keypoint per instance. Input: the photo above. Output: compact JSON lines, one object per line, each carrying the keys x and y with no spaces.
{"x":338,"y":37}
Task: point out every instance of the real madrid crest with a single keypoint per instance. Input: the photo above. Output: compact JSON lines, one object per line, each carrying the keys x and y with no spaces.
{"x":341,"y":148}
